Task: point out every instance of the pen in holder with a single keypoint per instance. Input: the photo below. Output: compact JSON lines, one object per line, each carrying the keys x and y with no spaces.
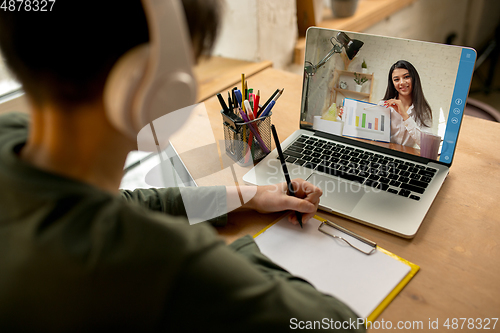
{"x":246,"y":142}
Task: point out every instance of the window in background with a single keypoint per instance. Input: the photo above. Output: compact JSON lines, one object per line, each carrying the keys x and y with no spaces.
{"x":7,"y":82}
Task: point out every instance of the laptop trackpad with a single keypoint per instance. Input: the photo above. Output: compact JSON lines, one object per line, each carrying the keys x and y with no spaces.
{"x":338,"y":195}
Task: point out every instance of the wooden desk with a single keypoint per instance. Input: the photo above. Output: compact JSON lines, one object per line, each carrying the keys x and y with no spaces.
{"x":196,"y":141}
{"x":457,"y":246}
{"x":217,"y":74}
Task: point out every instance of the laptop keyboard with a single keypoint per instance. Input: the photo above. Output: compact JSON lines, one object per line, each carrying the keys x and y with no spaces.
{"x":395,"y":176}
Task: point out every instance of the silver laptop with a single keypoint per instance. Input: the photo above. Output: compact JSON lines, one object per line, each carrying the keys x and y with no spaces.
{"x":379,"y":123}
{"x":152,"y":170}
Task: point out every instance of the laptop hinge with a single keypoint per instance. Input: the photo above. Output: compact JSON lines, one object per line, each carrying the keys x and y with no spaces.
{"x":379,"y":149}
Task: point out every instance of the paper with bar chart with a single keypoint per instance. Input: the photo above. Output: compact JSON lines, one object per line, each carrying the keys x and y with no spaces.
{"x":366,"y":121}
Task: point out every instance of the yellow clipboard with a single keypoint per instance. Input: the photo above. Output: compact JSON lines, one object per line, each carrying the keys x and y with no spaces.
{"x":395,"y":291}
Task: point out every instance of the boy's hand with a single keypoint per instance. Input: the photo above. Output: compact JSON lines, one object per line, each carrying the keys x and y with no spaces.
{"x":274,"y":198}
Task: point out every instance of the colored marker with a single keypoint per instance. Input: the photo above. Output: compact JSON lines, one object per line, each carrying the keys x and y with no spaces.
{"x":270,"y":106}
{"x":250,"y":136}
{"x":242,"y":81}
{"x":230,"y":101}
{"x":251,"y":99}
{"x":267,"y":102}
{"x":223,"y":103}
{"x":239,"y":98}
{"x":257,"y":136}
{"x":235,"y":103}
{"x":256,"y":104}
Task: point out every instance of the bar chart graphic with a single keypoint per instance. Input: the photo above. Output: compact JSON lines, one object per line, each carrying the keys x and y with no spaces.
{"x":374,"y":125}
{"x":366,"y":121}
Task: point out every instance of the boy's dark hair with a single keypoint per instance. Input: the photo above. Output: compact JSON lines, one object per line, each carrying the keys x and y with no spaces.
{"x":65,"y":55}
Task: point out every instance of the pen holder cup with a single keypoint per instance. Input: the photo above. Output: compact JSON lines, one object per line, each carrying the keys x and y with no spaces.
{"x":237,"y":136}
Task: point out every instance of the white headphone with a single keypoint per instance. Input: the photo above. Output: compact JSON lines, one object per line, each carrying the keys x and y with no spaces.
{"x":152,"y":79}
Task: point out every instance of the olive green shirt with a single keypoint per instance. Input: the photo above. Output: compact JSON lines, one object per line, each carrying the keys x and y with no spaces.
{"x":74,"y":258}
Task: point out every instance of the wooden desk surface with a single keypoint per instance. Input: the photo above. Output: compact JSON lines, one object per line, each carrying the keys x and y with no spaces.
{"x":217,"y":73}
{"x":457,"y":246}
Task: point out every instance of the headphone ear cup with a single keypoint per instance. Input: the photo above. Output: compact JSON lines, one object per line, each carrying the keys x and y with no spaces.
{"x":166,"y":94}
{"x":121,"y":89}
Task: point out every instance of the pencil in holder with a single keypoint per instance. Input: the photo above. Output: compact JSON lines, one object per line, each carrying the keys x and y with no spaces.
{"x":246,"y":142}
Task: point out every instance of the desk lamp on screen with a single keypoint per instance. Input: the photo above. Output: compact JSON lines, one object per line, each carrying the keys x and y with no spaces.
{"x":351,"y":46}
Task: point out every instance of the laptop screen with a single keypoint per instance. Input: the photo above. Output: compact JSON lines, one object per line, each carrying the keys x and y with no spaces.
{"x":404,"y":95}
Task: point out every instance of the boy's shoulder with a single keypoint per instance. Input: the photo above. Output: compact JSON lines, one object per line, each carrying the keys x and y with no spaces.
{"x":14,"y":120}
{"x":92,"y":253}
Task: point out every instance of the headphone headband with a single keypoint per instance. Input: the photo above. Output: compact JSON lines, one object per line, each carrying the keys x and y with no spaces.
{"x":155,"y":79}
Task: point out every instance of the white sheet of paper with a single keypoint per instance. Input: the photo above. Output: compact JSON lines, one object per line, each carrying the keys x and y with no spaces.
{"x":361,"y":281}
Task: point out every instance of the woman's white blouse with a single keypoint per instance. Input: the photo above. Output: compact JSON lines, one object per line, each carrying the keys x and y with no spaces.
{"x":406,"y":132}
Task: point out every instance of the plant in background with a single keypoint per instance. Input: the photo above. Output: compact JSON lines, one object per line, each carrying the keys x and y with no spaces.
{"x":364,"y":67}
{"x":359,"y":79}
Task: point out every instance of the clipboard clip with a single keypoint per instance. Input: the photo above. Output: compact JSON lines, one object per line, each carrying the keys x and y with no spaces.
{"x":350,"y":233}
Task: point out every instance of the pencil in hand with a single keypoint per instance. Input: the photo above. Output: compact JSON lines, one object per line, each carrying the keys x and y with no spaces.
{"x":291,"y":190}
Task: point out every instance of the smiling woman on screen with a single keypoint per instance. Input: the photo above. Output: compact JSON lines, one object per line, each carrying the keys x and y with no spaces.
{"x":410,"y":112}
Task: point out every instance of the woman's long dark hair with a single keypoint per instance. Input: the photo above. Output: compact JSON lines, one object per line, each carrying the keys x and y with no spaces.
{"x":423,"y":113}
